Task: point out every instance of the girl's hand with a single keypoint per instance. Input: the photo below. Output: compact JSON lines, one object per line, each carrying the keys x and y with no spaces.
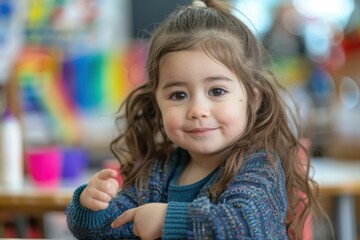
{"x":101,"y":188}
{"x":148,"y":220}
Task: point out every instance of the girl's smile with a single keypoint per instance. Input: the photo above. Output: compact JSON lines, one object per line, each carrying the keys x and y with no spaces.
{"x":201,"y":132}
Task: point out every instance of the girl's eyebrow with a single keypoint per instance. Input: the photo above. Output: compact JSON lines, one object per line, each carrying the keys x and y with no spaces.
{"x":218,"y":78}
{"x":174,"y":84}
{"x":208,"y":79}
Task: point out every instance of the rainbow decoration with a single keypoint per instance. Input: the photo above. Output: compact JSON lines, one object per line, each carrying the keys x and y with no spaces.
{"x":67,"y":87}
{"x":123,"y":72}
{"x":101,"y":81}
{"x":38,"y":69}
{"x":66,"y":83}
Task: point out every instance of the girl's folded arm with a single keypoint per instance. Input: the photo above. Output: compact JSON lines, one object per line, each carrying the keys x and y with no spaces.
{"x":85,"y":223}
{"x":253,"y":206}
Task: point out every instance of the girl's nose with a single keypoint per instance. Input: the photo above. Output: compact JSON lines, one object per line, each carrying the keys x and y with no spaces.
{"x":198,"y":109}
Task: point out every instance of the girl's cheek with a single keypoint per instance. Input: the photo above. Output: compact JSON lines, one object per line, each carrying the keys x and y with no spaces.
{"x":172,"y":124}
{"x":168,"y":122}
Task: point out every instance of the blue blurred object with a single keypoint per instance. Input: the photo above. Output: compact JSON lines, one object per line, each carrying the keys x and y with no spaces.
{"x":6,"y":10}
{"x":321,"y":86}
{"x":75,"y":162}
{"x":87,"y":81}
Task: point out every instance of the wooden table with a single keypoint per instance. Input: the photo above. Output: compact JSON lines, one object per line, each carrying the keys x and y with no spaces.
{"x":38,"y":201}
{"x":31,"y":198}
{"x":33,"y":202}
{"x":340,"y":179}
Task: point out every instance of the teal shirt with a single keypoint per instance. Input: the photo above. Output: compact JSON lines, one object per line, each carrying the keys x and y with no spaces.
{"x":179,"y":198}
{"x":185,"y":193}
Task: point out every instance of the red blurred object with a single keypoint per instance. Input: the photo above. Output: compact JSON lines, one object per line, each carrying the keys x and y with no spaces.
{"x":351,"y":41}
{"x":115,"y":165}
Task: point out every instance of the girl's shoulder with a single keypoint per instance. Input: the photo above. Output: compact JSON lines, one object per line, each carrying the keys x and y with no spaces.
{"x":260,"y":172}
{"x":261,"y":158}
{"x":262,"y":164}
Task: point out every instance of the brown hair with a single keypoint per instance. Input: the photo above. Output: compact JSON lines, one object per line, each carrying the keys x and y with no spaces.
{"x":270,"y":127}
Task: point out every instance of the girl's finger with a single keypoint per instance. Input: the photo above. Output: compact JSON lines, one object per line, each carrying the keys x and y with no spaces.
{"x":99,"y":195}
{"x":127,"y":216}
{"x":105,"y":174}
{"x":104,"y":182}
{"x":114,"y":187}
{"x":96,"y":205}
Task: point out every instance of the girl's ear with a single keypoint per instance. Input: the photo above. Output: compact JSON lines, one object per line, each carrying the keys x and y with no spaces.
{"x":258,"y":98}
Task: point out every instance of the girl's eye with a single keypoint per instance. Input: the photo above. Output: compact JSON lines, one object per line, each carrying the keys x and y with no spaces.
{"x":217,"y":92}
{"x":177,"y":96}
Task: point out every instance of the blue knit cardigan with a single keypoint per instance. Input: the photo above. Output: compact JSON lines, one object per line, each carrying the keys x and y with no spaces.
{"x":252,"y":207}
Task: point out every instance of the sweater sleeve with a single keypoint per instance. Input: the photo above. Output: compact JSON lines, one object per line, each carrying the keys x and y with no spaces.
{"x":176,"y":220}
{"x":87,"y":224}
{"x":252,"y":207}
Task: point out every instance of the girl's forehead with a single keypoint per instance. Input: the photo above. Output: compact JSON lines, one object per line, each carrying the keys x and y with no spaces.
{"x":192,"y":58}
{"x":196,"y":48}
{"x":194,"y":65}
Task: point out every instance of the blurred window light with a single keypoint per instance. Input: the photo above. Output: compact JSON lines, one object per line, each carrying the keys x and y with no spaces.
{"x":256,"y":14}
{"x":337,"y":12}
{"x":349,"y":93}
{"x":318,"y":37}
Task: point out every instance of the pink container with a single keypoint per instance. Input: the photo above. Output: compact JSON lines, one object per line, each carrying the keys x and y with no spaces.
{"x":44,"y":166}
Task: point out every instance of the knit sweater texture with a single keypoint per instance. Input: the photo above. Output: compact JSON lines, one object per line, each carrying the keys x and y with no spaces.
{"x":253,"y":206}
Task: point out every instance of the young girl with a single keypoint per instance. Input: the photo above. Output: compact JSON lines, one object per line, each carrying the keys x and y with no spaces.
{"x":207,"y":150}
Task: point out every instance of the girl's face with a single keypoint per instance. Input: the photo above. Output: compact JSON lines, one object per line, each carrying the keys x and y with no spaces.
{"x":203,"y":103}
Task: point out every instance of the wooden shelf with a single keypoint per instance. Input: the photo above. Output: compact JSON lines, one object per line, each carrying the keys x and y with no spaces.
{"x":34,"y":202}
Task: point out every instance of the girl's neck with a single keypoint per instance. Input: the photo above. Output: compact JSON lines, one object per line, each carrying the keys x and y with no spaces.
{"x":207,"y":162}
{"x":198,"y":168}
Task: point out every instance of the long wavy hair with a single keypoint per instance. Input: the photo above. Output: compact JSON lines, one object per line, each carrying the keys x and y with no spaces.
{"x":271,"y":126}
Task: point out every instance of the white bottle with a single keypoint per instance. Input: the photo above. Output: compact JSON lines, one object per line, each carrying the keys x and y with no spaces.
{"x":11,"y":153}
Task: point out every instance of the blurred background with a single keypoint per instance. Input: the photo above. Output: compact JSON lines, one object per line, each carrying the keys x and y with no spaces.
{"x":66,"y":65}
